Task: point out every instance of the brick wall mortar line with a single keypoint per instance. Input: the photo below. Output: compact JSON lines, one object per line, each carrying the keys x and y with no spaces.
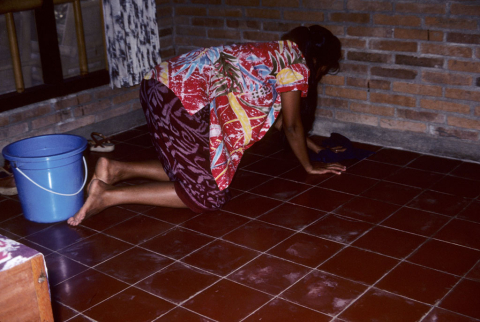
{"x":438,"y":25}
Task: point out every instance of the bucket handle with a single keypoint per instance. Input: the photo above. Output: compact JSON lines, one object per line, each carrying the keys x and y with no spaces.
{"x":58,"y":193}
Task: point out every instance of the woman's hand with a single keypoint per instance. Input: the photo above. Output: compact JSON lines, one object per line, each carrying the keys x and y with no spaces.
{"x":323,"y":168}
{"x":293,"y":128}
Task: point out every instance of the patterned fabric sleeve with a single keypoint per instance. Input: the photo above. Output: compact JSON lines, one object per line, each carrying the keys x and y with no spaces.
{"x":293,"y":78}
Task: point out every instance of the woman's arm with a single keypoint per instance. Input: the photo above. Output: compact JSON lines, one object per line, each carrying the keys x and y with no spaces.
{"x":310,"y":143}
{"x":292,"y":125}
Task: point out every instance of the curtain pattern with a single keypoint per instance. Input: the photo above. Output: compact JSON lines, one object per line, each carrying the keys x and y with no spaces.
{"x":133,"y":45}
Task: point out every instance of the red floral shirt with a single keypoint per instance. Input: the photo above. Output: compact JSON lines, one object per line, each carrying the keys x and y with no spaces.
{"x":242,"y":84}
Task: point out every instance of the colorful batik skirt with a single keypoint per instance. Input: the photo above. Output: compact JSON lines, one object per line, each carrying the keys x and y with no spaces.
{"x":182,"y":144}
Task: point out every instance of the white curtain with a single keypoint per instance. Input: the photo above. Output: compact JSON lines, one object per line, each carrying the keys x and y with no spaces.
{"x":133,"y":45}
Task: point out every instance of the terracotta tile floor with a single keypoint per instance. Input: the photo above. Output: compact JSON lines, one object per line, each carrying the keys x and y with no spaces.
{"x":395,"y":238}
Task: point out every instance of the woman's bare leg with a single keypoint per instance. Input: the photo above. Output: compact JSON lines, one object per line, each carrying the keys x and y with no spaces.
{"x":103,"y":195}
{"x":112,"y":171}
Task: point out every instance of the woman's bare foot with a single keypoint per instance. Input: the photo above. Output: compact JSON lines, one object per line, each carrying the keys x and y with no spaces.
{"x":107,"y":171}
{"x":96,"y":202}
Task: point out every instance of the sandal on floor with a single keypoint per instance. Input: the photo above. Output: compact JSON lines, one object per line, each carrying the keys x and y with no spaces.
{"x":7,"y":183}
{"x":100,"y":143}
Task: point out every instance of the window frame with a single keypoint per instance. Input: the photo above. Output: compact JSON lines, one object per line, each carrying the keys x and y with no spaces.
{"x":54,"y":84}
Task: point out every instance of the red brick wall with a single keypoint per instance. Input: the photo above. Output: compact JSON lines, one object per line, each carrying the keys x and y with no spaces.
{"x":410,"y":69}
{"x":85,"y":110}
{"x":410,"y":77}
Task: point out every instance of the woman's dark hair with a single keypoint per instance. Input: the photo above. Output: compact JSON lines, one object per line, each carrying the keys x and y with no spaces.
{"x":320,"y":48}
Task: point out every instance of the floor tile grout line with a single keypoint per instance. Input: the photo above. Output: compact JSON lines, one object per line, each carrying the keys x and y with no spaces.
{"x":348,"y":279}
{"x":71,"y":308}
{"x":261,"y":253}
{"x":407,"y":167}
{"x":297,"y":166}
{"x":150,"y":250}
{"x":87,"y":227}
{"x":452,"y":243}
{"x":279,"y":176}
{"x":359,"y":220}
{"x":404,"y":259}
{"x":332,"y":212}
{"x":41,"y":230}
{"x":91,"y":266}
{"x":129,"y":285}
{"x":462,"y":278}
{"x":407,"y":203}
{"x":286,"y":300}
{"x":354,"y":196}
{"x":429,"y":211}
{"x":452,"y":218}
{"x":134,"y":285}
{"x":264,"y":253}
{"x":412,"y":186}
{"x":260,"y":215}
{"x":246,"y":263}
{"x":431,"y":236}
{"x":346,"y":245}
{"x":291,"y":198}
{"x":108,"y":235}
{"x":418,"y":157}
{"x":261,"y":184}
{"x":201,"y":269}
{"x":452,"y":194}
{"x":360,"y":195}
{"x":77,"y":241}
{"x":175,"y":305}
{"x":456,"y":167}
{"x":256,"y":218}
{"x":316,"y":268}
{"x":350,"y":245}
{"x":219,"y":238}
{"x":82,"y":316}
{"x":299,"y":193}
{"x":296,"y":230}
{"x":471,"y":202}
{"x":56,"y":250}
{"x":14,"y":235}
{"x":311,"y":188}
{"x":279,"y":295}
{"x":335,"y":275}
{"x":184,"y":308}
{"x":456,"y":313}
{"x":404,"y":184}
{"x":114,"y":237}
{"x":427,"y":239}
{"x":371,"y":287}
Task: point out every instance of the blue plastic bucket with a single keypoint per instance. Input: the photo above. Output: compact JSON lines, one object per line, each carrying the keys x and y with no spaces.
{"x":49,"y":174}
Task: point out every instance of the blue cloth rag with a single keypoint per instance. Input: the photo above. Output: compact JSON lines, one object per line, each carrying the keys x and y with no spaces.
{"x":328,"y":156}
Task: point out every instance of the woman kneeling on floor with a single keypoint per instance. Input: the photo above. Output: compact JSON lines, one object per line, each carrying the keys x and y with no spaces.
{"x":206,"y":107}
